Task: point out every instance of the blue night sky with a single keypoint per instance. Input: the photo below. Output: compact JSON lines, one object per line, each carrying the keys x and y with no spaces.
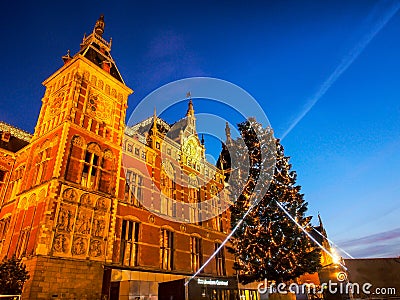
{"x":326,"y":73}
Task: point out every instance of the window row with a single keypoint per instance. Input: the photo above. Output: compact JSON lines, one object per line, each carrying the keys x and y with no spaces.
{"x":137,"y":151}
{"x":129,"y":249}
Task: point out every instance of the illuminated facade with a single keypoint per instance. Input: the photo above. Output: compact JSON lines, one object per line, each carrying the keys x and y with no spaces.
{"x":74,"y":195}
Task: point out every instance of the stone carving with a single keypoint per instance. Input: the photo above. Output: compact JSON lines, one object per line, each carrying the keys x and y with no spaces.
{"x":60,"y":243}
{"x":98,"y":227}
{"x":95,"y":248}
{"x":151,"y":219}
{"x":86,"y":200}
{"x":83,"y":223}
{"x":70,"y":195}
{"x":108,"y":154}
{"x":79,"y":246}
{"x":102,"y":204}
{"x":77,"y":141}
{"x":65,"y":220}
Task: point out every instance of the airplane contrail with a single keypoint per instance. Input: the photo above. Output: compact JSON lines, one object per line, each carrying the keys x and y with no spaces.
{"x":344,"y":65}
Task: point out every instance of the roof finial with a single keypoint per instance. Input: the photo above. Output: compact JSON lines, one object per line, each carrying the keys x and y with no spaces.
{"x":66,"y":58}
{"x":202,"y":139}
{"x":99,"y":26}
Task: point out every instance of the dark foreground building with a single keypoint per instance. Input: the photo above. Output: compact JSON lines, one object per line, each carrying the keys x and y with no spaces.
{"x":380,"y":277}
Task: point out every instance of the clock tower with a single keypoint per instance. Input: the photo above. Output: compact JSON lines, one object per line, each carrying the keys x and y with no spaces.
{"x":66,"y":204}
{"x":88,"y":91}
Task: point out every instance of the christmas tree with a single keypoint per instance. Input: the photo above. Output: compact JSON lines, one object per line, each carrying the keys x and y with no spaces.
{"x":267,"y":244}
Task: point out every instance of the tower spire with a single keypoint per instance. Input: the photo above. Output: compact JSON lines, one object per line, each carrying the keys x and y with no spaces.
{"x":190,"y":111}
{"x":154,"y":121}
{"x":99,"y":26}
{"x":227,"y":132}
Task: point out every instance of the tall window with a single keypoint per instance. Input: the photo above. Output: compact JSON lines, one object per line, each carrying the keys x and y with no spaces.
{"x":90,"y":170}
{"x":22,"y":242}
{"x":129,"y":243}
{"x":41,"y":165}
{"x":133,"y":188}
{"x":219,"y":225}
{"x":4,"y":224}
{"x":220,"y":260}
{"x":196,"y":253}
{"x":2,"y":181}
{"x":168,"y":193}
{"x":15,"y":184}
{"x":168,"y":186}
{"x":195,"y":199}
{"x":167,"y":249}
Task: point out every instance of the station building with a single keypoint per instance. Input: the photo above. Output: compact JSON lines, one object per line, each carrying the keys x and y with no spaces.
{"x":91,"y":204}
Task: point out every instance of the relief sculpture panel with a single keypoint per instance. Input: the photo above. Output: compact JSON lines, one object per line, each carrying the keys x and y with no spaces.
{"x":79,"y":246}
{"x":83,"y":221}
{"x":66,"y":218}
{"x":61,"y":243}
{"x":96,"y":248}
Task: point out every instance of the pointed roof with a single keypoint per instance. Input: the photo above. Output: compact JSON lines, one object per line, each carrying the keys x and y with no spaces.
{"x":96,"y":49}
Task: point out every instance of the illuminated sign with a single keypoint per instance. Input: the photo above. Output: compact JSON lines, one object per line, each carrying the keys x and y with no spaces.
{"x":212,"y":282}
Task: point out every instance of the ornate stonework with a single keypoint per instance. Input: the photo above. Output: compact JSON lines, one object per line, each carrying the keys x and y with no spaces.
{"x":61,"y":243}
{"x":79,"y":246}
{"x":66,"y":218}
{"x":70,"y":195}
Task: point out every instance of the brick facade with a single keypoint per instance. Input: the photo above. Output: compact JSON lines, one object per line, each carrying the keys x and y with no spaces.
{"x":85,"y":201}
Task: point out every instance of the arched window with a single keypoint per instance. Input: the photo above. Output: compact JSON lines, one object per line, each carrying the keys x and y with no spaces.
{"x":91,"y":166}
{"x":42,"y":161}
